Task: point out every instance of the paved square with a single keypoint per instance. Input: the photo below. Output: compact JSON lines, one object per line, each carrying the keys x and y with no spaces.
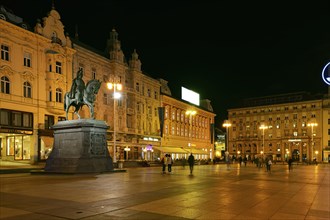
{"x":212,"y":192}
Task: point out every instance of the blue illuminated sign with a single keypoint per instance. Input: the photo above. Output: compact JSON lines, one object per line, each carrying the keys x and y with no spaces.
{"x":326,"y":74}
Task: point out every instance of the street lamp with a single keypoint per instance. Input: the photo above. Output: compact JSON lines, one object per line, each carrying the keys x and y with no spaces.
{"x":312,"y":125}
{"x":116,"y":95}
{"x":190,"y":113}
{"x":227,"y":124}
{"x":263,"y":127}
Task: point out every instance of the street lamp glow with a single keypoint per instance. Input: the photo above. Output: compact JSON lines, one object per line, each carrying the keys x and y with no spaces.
{"x":312,"y":124}
{"x":227,"y":124}
{"x":191,"y":112}
{"x":263,"y":127}
{"x":116,"y":95}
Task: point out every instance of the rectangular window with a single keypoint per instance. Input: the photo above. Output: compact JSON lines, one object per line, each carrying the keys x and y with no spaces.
{"x":58,"y":95}
{"x":27,"y":90}
{"x":4,"y":117}
{"x":16,"y":119}
{"x":27,"y":59}
{"x":50,"y":96}
{"x":129,"y":121}
{"x":27,"y":120}
{"x":4,"y":52}
{"x":4,"y":85}
{"x":119,"y":102}
{"x":58,"y":67}
{"x":105,"y":98}
{"x":93,"y":73}
{"x":137,"y":87}
{"x":49,"y":121}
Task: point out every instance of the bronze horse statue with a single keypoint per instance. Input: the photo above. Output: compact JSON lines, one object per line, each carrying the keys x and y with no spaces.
{"x":87,"y":97}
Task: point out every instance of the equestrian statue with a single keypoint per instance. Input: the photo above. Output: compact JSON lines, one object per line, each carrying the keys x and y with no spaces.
{"x":81,"y":94}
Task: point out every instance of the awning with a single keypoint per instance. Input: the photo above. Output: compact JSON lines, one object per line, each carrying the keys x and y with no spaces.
{"x":196,"y":151}
{"x":170,"y":149}
{"x":48,"y":141}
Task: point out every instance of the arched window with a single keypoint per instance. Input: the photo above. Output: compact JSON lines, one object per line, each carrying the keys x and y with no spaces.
{"x":58,"y":95}
{"x":27,"y":89}
{"x":5,"y":85}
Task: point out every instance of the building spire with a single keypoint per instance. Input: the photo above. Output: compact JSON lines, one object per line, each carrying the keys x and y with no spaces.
{"x":53,"y":4}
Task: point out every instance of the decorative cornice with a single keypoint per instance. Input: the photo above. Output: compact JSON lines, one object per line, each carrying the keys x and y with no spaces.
{"x":6,"y":70}
{"x":28,"y":76}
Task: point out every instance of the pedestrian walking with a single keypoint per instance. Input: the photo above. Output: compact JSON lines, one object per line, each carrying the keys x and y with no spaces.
{"x":169,"y":162}
{"x":191,"y":161}
{"x":240,"y":161}
{"x":269,"y":165}
{"x":164,"y":162}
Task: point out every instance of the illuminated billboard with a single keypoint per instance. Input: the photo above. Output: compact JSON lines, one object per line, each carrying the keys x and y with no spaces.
{"x":326,"y":74}
{"x":190,"y":96}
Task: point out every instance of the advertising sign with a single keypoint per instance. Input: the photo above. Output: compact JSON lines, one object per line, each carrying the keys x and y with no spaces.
{"x":190,"y":96}
{"x":326,"y":74}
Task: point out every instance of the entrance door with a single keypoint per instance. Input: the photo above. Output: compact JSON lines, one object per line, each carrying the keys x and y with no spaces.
{"x":296,"y":155}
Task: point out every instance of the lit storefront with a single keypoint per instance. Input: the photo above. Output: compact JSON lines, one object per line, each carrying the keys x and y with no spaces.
{"x":16,"y":130}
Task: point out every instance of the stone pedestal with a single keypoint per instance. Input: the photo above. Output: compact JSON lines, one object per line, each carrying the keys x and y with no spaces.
{"x":80,"y":146}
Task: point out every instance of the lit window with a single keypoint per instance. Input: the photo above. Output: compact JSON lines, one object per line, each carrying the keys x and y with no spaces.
{"x":27,"y":59}
{"x":4,"y":52}
{"x":27,"y":89}
{"x":58,"y":67}
{"x":58,"y":95}
{"x":5,"y":85}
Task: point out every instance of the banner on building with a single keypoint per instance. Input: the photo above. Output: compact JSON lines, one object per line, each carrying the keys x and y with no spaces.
{"x":161,"y":112}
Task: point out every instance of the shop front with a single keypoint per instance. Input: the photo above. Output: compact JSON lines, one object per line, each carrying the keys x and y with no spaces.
{"x":15,"y":144}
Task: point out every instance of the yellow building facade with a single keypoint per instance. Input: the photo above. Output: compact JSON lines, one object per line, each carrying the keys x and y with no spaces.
{"x":290,"y":125}
{"x":187,"y":129}
{"x":36,"y":70}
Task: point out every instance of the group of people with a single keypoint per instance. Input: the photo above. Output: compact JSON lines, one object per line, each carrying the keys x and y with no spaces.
{"x":167,"y":161}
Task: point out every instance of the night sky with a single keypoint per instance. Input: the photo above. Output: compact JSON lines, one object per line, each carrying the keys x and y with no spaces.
{"x":225,"y":50}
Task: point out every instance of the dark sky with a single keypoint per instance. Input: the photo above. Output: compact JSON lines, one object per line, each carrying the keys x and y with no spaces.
{"x":224,"y":50}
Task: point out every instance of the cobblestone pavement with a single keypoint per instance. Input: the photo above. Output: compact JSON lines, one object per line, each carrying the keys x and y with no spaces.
{"x":212,"y":192}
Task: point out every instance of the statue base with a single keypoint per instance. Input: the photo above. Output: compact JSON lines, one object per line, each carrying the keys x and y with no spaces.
{"x":80,"y":146}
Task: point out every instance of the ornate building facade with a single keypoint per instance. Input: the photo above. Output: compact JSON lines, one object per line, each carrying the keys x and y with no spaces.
{"x":187,"y":128}
{"x":290,"y":125}
{"x":36,"y":70}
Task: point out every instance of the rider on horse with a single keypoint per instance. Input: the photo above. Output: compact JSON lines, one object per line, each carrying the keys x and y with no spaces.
{"x":77,"y":88}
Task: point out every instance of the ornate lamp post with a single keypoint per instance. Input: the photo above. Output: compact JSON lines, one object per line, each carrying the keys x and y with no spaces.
{"x":312,"y":147}
{"x":227,"y":124}
{"x":263,"y":127}
{"x":116,"y":95}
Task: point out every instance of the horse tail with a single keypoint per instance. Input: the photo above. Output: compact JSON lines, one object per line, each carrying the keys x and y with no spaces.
{"x":65,"y":101}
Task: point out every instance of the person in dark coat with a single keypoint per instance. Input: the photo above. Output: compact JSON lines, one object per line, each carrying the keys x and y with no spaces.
{"x":191,"y":161}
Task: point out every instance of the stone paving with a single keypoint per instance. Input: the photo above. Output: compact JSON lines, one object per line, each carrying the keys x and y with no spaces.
{"x":212,"y":192}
